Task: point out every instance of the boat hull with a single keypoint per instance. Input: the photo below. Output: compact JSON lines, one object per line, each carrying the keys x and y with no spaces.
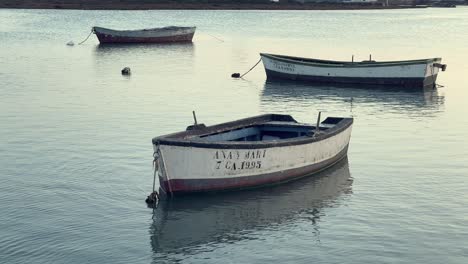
{"x":162,"y":35}
{"x":407,"y":82}
{"x":188,"y":169}
{"x":420,"y":73}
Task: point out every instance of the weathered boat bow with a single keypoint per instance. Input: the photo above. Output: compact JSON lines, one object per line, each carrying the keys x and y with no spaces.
{"x":247,"y":153}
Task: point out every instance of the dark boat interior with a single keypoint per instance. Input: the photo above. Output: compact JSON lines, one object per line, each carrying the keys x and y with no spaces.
{"x":341,"y":63}
{"x":273,"y":130}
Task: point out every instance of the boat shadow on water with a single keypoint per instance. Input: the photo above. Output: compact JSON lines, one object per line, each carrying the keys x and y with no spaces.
{"x":148,"y":49}
{"x":191,"y":223}
{"x":385,"y":98}
{"x":139,"y":56}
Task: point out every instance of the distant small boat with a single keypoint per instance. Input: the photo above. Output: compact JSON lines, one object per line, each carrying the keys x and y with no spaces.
{"x":413,"y":73}
{"x":152,"y":35}
{"x":444,"y":4}
{"x":247,"y":153}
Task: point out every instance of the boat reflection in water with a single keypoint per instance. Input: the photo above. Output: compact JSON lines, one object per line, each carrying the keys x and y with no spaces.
{"x":144,"y":52}
{"x":197,"y":222}
{"x":289,"y":95}
{"x":154,"y":61}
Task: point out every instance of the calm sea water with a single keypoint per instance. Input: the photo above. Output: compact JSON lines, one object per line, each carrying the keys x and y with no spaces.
{"x":76,"y":154}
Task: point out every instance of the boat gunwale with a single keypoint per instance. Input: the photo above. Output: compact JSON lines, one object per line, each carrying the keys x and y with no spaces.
{"x":191,"y":138}
{"x":345,"y":64}
{"x":168,"y":28}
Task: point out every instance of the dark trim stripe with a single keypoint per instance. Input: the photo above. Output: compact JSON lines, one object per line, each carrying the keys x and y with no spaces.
{"x":159,"y":29}
{"x":407,"y":82}
{"x":190,"y":139}
{"x":344,"y":64}
{"x":183,"y":186}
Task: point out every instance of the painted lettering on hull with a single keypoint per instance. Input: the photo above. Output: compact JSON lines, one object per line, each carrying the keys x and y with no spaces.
{"x":283,"y":66}
{"x":238,"y":159}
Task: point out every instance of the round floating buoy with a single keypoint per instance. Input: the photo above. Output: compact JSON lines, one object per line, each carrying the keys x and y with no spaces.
{"x":235,"y":75}
{"x":126,"y":71}
{"x":152,"y":199}
{"x":70,"y":43}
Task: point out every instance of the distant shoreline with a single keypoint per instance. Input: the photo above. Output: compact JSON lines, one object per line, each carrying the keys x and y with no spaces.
{"x":131,"y":5}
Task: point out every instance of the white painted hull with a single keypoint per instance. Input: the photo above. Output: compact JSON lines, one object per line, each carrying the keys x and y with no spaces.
{"x":418,"y":72}
{"x":195,"y":169}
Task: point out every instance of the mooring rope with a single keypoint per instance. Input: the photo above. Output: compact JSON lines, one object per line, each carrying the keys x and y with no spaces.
{"x":90,"y":33}
{"x":153,"y":199}
{"x":215,"y":37}
{"x":238,"y":75}
{"x":156,"y":156}
{"x":154,"y":177}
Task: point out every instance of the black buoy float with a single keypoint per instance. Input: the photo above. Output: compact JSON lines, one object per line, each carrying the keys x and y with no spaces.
{"x":126,"y":71}
{"x":152,"y":199}
{"x":235,"y":75}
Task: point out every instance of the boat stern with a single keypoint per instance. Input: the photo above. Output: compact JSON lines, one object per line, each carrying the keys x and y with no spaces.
{"x":433,"y":67}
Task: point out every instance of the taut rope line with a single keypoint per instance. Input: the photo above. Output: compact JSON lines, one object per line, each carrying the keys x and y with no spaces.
{"x":238,"y":75}
{"x":214,"y":37}
{"x":92,"y":31}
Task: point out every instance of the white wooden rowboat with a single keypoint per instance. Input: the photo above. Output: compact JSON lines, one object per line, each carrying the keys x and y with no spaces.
{"x":412,"y":73}
{"x":247,"y":153}
{"x":152,"y":35}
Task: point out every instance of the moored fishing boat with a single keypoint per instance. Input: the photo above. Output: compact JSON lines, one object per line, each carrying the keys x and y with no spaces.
{"x":152,"y":35}
{"x":412,"y":73}
{"x":247,"y":153}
